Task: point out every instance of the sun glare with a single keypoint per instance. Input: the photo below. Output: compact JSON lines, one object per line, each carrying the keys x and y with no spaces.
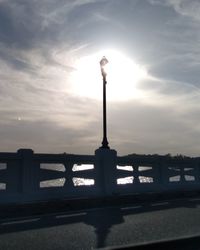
{"x":123,"y":76}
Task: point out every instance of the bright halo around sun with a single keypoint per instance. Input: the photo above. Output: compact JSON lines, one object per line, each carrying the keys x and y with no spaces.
{"x":123,"y":76}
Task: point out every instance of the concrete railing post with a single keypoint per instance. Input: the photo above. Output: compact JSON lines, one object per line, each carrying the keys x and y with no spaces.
{"x":106,"y":162}
{"x":28,"y":173}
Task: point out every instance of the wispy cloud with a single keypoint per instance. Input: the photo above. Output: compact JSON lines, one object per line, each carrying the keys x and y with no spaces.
{"x":184,"y":7}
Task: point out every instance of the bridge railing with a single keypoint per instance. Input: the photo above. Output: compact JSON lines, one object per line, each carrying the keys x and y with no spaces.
{"x":158,"y":174}
{"x":26,"y":176}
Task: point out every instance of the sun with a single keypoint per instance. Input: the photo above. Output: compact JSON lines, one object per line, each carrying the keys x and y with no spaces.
{"x":123,"y":76}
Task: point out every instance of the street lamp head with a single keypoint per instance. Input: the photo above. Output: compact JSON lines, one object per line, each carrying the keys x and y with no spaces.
{"x":103,"y":63}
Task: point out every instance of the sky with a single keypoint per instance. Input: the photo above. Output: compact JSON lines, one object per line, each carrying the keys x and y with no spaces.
{"x":43,"y":41}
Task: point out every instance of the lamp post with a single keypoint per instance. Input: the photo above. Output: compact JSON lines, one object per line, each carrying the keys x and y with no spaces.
{"x":103,"y":63}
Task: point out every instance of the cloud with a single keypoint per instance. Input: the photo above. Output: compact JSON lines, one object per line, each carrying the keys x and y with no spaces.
{"x":187,"y":8}
{"x":145,"y":128}
{"x":39,"y":44}
{"x":35,"y":64}
{"x":33,"y":29}
{"x":45,"y":136}
{"x":178,"y":43}
{"x":184,"y":7}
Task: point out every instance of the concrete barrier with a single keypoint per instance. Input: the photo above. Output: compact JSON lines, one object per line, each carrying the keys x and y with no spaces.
{"x":27,"y":177}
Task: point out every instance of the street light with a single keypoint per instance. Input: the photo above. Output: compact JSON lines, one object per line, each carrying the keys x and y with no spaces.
{"x":103,"y":63}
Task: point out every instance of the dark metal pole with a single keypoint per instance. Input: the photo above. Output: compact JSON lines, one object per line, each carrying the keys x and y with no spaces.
{"x":103,"y":62}
{"x":105,"y":141}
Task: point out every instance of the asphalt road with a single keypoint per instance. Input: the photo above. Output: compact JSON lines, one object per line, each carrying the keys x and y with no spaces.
{"x":102,"y":227}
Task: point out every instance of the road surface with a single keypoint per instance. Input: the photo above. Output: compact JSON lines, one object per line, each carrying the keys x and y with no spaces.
{"x":102,"y":227}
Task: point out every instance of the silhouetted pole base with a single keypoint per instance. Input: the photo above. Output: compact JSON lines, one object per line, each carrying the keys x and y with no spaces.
{"x":105,"y":143}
